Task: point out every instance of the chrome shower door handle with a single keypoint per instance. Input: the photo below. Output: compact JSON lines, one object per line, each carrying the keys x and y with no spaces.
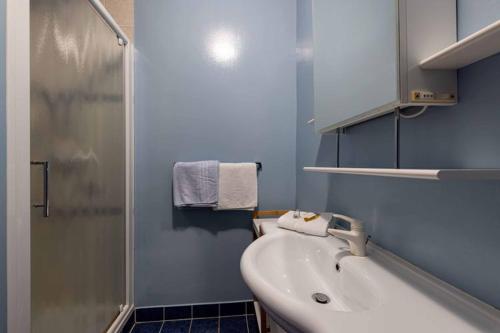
{"x":45,"y":203}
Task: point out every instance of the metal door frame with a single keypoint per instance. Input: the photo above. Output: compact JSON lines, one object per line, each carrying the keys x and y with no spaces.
{"x":18,"y":165}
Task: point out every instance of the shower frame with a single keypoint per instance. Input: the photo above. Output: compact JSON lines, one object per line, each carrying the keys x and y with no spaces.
{"x":18,"y":166}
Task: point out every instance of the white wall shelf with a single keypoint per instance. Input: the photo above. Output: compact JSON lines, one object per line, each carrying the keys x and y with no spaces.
{"x":478,"y":46}
{"x":431,"y":174}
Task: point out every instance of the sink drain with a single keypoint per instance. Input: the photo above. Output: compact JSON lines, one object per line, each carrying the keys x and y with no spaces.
{"x":321,"y":298}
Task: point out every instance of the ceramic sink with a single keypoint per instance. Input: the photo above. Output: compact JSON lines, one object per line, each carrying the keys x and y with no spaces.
{"x":313,"y":284}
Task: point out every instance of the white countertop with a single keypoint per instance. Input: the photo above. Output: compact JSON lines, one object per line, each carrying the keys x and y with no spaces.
{"x":264,"y":226}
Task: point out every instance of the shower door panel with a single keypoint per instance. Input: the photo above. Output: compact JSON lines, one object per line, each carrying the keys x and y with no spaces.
{"x":78,"y":127}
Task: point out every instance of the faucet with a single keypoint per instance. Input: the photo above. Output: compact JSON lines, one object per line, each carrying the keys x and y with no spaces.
{"x":356,"y":237}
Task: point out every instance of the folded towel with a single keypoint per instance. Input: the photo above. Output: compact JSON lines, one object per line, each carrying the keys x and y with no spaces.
{"x":196,"y":184}
{"x":316,"y":227}
{"x":237,"y":186}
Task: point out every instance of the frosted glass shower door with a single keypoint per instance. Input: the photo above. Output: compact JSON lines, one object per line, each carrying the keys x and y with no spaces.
{"x":78,"y":169}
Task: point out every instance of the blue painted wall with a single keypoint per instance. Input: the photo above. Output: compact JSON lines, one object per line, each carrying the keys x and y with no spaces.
{"x":189,"y":107}
{"x":450,"y":229}
{"x":311,"y":148}
{"x":474,"y":15}
{"x":3,"y":278}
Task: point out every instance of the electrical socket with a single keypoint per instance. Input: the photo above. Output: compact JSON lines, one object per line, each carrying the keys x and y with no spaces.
{"x":429,"y":96}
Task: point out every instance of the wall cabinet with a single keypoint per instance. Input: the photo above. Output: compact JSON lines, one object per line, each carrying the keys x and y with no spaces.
{"x":367,"y":56}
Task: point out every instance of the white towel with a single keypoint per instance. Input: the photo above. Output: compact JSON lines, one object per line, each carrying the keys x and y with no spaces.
{"x":316,"y":227}
{"x":237,"y":186}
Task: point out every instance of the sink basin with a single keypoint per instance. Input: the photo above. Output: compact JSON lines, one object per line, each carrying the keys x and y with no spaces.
{"x":378,"y":293}
{"x":312,"y":268}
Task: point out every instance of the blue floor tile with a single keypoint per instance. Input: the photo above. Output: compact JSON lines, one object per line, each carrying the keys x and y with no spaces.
{"x":176,"y":326}
{"x":129,"y":324}
{"x":232,"y":309}
{"x":233,"y":324}
{"x":205,"y":310}
{"x":253,"y":326}
{"x":147,"y":327}
{"x":250,"y":308}
{"x":149,"y":314}
{"x":178,"y":312}
{"x":204,"y":325}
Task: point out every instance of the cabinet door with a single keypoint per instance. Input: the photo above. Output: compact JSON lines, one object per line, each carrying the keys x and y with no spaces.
{"x":355,"y":60}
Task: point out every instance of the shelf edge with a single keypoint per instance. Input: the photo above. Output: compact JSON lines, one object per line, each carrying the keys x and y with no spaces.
{"x":429,"y":174}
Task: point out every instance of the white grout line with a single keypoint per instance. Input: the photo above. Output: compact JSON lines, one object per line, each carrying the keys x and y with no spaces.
{"x":151,"y":321}
{"x":218,"y":320}
{"x":184,"y":319}
{"x":179,"y":305}
{"x":240,"y":315}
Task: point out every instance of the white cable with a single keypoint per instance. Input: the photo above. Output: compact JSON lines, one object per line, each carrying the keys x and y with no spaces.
{"x":419,"y":113}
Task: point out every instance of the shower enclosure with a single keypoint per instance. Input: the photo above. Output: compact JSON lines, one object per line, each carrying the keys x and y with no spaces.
{"x":78,"y":168}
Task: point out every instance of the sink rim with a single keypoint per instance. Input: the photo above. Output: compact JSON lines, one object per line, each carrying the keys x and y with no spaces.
{"x":291,"y":308}
{"x":318,"y":258}
{"x":294,"y":312}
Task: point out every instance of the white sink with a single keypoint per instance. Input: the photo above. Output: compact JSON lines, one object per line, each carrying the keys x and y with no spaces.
{"x":378,"y":293}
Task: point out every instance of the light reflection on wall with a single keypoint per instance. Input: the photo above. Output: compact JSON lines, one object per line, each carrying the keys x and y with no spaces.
{"x":224,"y":47}
{"x":304,"y":53}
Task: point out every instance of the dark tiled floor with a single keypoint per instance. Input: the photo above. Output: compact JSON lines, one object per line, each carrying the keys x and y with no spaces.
{"x":250,"y":308}
{"x":149,"y":314}
{"x":205,"y":311}
{"x":232,"y":309}
{"x":237,"y":317}
{"x":232,"y":324}
{"x":178,"y":312}
{"x":205,"y":325}
{"x":253,"y":326}
{"x":129,"y":324}
{"x":177,"y":326}
{"x":147,"y":327}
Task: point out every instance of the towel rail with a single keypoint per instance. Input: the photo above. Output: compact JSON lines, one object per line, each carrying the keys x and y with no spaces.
{"x":259,"y":165}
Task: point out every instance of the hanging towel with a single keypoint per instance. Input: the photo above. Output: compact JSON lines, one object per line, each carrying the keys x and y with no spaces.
{"x":315,"y":226}
{"x":196,"y":184}
{"x":237,"y":186}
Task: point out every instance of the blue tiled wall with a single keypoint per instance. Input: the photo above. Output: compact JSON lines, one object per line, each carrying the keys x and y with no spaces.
{"x":188,"y":107}
{"x":450,"y":229}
